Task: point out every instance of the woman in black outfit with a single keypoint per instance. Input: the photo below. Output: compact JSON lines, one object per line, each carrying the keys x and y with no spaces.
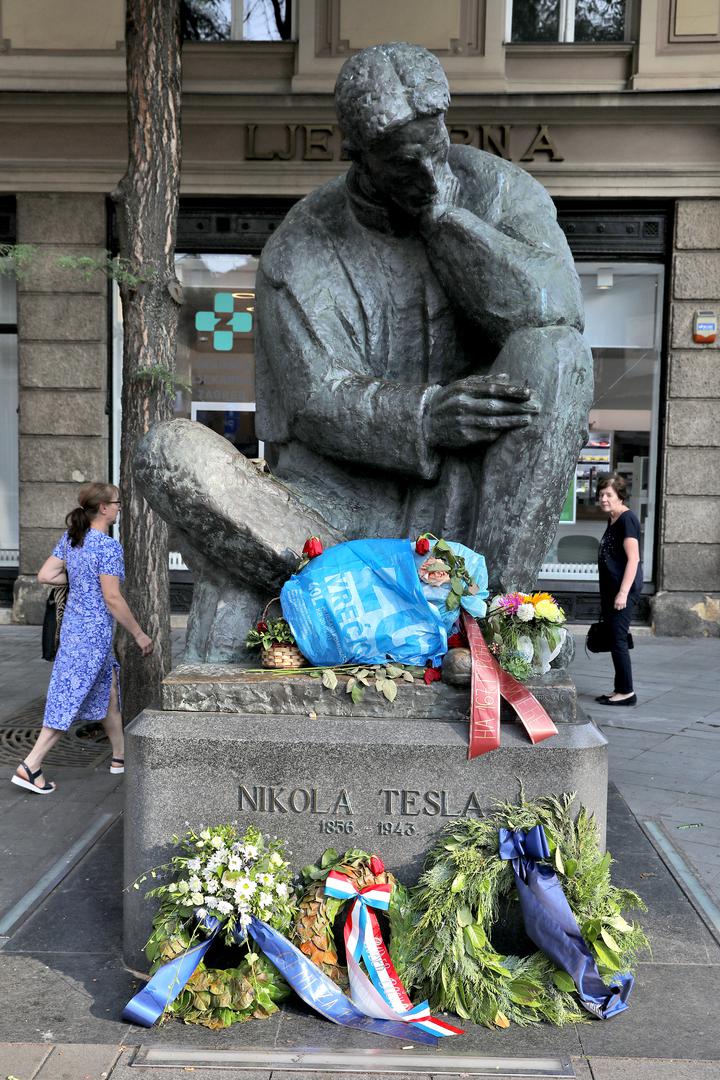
{"x":620,"y":582}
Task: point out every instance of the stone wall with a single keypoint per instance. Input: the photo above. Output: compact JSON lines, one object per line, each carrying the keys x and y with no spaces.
{"x":688,"y":601}
{"x":62,"y":368}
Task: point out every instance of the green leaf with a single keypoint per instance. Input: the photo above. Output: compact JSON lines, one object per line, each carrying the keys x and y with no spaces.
{"x":458,"y":883}
{"x":457,"y":585}
{"x":559,"y":864}
{"x":524,"y":993}
{"x":357,"y":693}
{"x":407,"y":676}
{"x":570,"y":867}
{"x":441,"y":545}
{"x":349,"y":685}
{"x":393,"y":671}
{"x":329,"y":679}
{"x":328,"y":857}
{"x":475,"y":937}
{"x":618,"y":923}
{"x":608,"y":957}
{"x":590,"y":929}
{"x":389,"y":689}
{"x":563,"y":981}
{"x":453,"y":601}
{"x":464,"y":914}
{"x":609,"y":940}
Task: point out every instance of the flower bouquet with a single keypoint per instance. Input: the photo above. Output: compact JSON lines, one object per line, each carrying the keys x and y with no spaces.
{"x":218,"y":873}
{"x":525,"y":632}
{"x":276,"y":642}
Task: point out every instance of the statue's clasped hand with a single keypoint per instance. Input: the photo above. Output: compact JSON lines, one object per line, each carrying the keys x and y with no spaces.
{"x":478,"y":409}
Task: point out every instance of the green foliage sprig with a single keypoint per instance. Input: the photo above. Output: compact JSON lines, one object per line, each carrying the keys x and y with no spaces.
{"x":161,"y":378}
{"x":265,"y":634}
{"x":383,"y":677}
{"x":17,"y":259}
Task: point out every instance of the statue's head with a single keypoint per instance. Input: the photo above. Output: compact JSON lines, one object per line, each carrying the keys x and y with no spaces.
{"x":391,"y":102}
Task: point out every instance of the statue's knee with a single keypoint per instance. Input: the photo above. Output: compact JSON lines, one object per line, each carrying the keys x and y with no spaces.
{"x":548,"y":358}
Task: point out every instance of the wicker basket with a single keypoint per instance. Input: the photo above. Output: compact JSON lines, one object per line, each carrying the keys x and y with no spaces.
{"x":285,"y":655}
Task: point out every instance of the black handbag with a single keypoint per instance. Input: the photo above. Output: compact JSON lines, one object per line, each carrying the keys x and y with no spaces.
{"x":52,"y":622}
{"x":599,"y":638}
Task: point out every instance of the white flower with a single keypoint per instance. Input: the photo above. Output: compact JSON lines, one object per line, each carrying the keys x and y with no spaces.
{"x":266,"y":879}
{"x":217,"y":842}
{"x":223,"y":907}
{"x":250,"y":851}
{"x":197,"y":898}
{"x":234,"y":863}
{"x":275,"y":859}
{"x":245,"y":887}
{"x":205,"y":834}
{"x":265,"y":899}
{"x":194,"y":865}
{"x":183,"y":887}
{"x":201,"y":913}
{"x":211,"y":886}
{"x":172,"y":887}
{"x":526,"y":612}
{"x":211,"y":902}
{"x":281,"y":888}
{"x":244,"y":919}
{"x":195,"y":883}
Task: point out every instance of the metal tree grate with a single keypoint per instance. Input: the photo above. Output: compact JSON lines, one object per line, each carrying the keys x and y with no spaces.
{"x":84,"y":746}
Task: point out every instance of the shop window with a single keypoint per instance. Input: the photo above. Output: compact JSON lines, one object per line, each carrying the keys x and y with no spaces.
{"x":234,"y":20}
{"x":215,"y":359}
{"x":568,"y":20}
{"x":623,"y":306}
{"x":9,"y":538}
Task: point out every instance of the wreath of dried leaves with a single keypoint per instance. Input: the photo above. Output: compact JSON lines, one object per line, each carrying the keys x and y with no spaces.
{"x":313,"y":932}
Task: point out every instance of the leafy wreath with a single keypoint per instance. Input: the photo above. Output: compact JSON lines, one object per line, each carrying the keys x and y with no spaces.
{"x":221,"y":873}
{"x":448,"y":955}
{"x":313,"y":930}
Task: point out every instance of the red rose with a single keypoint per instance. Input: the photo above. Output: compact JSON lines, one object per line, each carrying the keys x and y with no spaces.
{"x":313,"y":547}
{"x":377,"y":866}
{"x":422,"y":545}
{"x":261,"y":627}
{"x":456,"y":641}
{"x":431,"y":675}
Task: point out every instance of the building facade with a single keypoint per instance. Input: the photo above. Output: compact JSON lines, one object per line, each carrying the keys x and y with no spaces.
{"x":611,"y":104}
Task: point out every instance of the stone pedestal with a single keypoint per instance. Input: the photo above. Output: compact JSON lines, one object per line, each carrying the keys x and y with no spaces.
{"x":303,"y":763}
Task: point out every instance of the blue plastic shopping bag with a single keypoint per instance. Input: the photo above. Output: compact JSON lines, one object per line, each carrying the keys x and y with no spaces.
{"x":362,"y":602}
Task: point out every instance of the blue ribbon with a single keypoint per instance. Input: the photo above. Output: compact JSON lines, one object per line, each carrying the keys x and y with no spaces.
{"x":550,"y":923}
{"x":310,"y":983}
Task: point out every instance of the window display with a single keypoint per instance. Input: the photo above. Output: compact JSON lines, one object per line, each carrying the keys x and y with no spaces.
{"x":623,"y":326}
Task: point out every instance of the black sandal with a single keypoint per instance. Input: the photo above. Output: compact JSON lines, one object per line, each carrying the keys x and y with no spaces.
{"x":117,"y":765}
{"x":30,"y":784}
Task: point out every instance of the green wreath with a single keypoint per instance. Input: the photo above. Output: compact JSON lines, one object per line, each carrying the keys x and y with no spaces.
{"x":446,"y":952}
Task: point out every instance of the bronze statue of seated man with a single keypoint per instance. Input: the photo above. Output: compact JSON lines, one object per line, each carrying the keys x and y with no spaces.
{"x":420,"y":364}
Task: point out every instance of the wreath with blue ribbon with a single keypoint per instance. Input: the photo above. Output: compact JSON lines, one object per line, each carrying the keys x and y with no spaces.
{"x":541,"y":858}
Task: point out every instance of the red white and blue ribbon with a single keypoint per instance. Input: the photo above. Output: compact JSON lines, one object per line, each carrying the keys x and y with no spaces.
{"x":382,"y":995}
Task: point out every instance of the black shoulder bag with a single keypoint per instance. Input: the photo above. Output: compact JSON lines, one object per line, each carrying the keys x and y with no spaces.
{"x":598,"y":638}
{"x":54,"y":611}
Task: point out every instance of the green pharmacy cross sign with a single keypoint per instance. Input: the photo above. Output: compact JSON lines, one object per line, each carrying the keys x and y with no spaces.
{"x":223,"y":322}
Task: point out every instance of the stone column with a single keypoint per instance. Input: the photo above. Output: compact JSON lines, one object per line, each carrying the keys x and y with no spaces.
{"x":689,"y":567}
{"x":62,"y":353}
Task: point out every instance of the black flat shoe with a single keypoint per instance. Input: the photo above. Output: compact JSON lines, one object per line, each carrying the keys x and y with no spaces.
{"x":625,"y":701}
{"x":603,"y":699}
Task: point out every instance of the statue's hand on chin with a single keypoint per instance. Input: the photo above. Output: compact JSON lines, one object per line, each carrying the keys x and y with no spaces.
{"x":447,"y":197}
{"x":477,"y":409}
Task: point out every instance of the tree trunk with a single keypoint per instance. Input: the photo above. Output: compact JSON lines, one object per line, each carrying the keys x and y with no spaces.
{"x":147,"y":203}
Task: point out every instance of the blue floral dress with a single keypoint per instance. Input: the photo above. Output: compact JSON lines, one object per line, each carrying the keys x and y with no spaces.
{"x":81,"y":678}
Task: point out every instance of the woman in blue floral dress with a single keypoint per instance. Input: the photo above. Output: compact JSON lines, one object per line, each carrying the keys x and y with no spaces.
{"x":84,"y":680}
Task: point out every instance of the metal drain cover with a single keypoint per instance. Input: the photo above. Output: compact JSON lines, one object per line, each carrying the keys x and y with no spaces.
{"x":84,"y":746}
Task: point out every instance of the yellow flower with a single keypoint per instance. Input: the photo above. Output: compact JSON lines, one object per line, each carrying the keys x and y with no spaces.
{"x":538,"y":596}
{"x":546,"y":609}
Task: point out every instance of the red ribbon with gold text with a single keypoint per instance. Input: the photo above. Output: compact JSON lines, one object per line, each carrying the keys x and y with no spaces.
{"x":488,"y":683}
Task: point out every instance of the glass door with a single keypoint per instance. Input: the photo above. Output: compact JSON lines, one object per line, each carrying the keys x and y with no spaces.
{"x":623,"y":325}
